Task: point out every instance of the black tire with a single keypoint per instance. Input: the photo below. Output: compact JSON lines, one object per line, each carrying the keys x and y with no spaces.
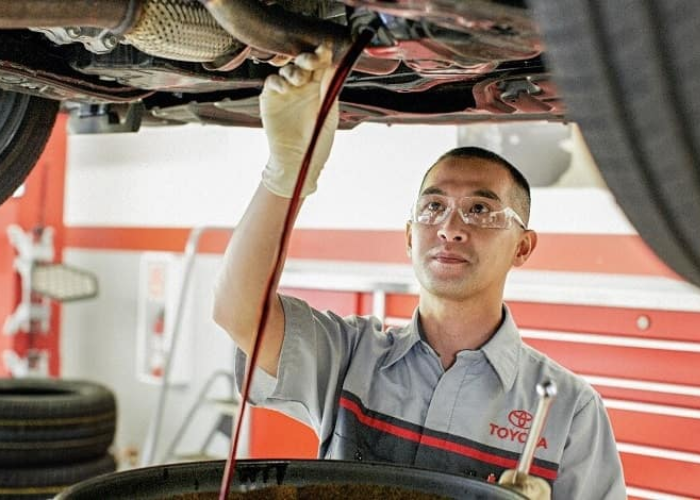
{"x":26,"y":123}
{"x":54,"y":421}
{"x":630,"y":75}
{"x":35,"y":483}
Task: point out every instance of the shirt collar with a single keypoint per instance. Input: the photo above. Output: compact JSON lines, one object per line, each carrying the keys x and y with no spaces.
{"x":502,"y":350}
{"x":404,"y":340}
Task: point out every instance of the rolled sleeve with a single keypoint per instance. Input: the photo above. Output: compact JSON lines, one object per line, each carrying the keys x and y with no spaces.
{"x":263,"y":383}
{"x":313,"y":361}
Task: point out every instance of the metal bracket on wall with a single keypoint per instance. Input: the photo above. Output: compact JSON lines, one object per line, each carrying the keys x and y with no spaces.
{"x":32,"y":247}
{"x":42,"y":280}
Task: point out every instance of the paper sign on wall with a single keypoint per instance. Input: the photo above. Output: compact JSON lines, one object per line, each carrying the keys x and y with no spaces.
{"x":160,"y":279}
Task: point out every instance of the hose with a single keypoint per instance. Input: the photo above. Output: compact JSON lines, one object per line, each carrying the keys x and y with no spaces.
{"x":336,"y":84}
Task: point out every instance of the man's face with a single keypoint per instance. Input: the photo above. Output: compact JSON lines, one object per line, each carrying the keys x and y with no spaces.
{"x":454,"y":260}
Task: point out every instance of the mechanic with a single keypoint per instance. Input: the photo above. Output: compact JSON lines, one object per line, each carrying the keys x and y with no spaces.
{"x":454,"y":390}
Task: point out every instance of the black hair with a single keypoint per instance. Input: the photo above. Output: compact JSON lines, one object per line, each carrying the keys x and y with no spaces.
{"x":469,"y":152}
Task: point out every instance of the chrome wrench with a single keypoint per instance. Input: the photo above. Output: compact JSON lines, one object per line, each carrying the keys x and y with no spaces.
{"x":547,"y":391}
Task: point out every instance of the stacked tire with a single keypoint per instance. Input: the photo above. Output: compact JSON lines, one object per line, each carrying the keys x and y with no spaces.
{"x":53,"y":433}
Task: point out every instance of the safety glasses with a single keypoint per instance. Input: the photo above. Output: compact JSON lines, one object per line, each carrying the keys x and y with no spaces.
{"x":433,"y":209}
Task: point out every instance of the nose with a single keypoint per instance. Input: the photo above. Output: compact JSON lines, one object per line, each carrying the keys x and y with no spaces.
{"x":453,"y":228}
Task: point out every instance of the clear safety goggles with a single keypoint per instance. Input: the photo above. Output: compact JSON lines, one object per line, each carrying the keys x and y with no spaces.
{"x":432,"y":209}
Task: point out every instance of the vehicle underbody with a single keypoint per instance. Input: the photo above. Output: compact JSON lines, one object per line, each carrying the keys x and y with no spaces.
{"x":625,"y":70}
{"x":184,"y":67}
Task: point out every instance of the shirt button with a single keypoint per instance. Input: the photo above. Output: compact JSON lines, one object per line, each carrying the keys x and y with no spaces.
{"x":358,"y":455}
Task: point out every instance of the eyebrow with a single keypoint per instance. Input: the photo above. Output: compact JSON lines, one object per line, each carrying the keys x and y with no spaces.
{"x":487,"y":193}
{"x":433,"y":190}
{"x":484,"y":193}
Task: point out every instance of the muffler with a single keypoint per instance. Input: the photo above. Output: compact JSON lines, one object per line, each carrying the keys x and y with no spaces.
{"x":184,"y":30}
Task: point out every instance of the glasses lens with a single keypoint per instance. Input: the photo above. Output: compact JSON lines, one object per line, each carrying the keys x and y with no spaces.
{"x":484,"y":212}
{"x":431,"y":209}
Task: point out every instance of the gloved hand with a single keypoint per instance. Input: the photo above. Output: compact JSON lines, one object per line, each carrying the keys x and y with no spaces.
{"x":289,"y":104}
{"x":532,"y":487}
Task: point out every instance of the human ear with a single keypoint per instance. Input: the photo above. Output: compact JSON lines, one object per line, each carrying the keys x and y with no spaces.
{"x":526,"y":245}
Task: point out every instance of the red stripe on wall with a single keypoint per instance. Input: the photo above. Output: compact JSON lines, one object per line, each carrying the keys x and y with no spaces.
{"x":662,"y":431}
{"x":143,"y":239}
{"x":616,"y":254}
{"x":623,"y":362}
{"x":619,"y":321}
{"x":669,"y":476}
{"x":649,"y":396}
{"x":341,"y":303}
{"x":664,"y":325}
{"x":442,"y":444}
{"x":398,"y":305}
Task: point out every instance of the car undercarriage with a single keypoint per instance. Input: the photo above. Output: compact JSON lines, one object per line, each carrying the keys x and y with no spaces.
{"x":623,"y":70}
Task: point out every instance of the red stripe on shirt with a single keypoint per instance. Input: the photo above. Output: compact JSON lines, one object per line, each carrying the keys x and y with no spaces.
{"x":439,"y":443}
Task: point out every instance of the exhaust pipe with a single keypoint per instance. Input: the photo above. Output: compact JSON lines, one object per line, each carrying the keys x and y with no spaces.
{"x":114,"y":15}
{"x":272,"y":29}
{"x":190,"y":30}
{"x":268,"y":29}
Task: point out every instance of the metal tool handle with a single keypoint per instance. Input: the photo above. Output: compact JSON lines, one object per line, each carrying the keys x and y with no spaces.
{"x":546,"y":390}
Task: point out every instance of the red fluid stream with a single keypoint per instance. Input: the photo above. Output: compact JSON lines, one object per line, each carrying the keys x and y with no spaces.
{"x":334,"y":87}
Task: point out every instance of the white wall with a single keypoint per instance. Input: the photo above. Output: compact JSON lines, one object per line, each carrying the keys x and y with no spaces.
{"x":197,"y":175}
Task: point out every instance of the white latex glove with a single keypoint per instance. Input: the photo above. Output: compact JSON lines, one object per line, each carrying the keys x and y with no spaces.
{"x":289,"y":105}
{"x":532,"y":487}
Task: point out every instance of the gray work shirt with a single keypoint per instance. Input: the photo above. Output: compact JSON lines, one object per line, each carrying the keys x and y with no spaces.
{"x":377,"y":395}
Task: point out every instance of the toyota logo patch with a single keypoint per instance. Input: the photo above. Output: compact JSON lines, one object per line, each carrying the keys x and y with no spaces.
{"x":520,"y":418}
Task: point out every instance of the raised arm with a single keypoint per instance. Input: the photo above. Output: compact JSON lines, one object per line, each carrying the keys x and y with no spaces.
{"x":289,"y":105}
